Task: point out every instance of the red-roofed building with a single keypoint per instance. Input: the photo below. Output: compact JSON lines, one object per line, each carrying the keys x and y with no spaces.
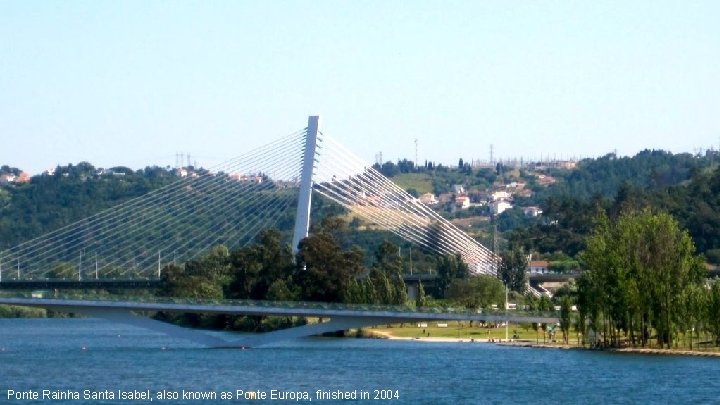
{"x":539,"y":267}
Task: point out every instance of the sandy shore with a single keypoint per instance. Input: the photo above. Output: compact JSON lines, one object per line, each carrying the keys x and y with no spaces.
{"x":664,"y":352}
{"x":388,"y":335}
{"x":625,"y":350}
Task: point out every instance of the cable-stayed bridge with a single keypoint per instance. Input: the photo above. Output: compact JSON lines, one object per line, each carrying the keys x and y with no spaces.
{"x":229,"y":204}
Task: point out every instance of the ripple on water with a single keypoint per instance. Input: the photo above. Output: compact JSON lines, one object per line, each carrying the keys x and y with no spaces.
{"x":47,"y":354}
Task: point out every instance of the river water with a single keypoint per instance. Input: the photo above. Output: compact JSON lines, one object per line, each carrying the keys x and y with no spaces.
{"x":86,"y":361}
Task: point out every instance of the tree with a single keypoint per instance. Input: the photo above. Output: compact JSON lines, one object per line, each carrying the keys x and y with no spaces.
{"x":63,"y":270}
{"x":639,"y":268}
{"x":383,"y":287}
{"x":246,"y":270}
{"x":387,"y":274}
{"x":190,"y":282}
{"x":369,"y":292}
{"x":544,"y":305}
{"x":387,"y":258}
{"x":323,"y":270}
{"x":215,"y":266}
{"x":255,"y":268}
{"x":275,"y":259}
{"x":512,"y":219}
{"x":421,"y":298}
{"x":406,"y":166}
{"x":400,"y":290}
{"x":389,"y":169}
{"x":513,"y":269}
{"x":713,"y":312}
{"x":449,"y":268}
{"x":565,"y":320}
{"x":691,"y":315}
{"x":279,"y":291}
{"x":474,"y":292}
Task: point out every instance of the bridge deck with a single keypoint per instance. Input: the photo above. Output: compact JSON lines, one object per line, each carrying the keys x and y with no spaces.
{"x":285,"y":309}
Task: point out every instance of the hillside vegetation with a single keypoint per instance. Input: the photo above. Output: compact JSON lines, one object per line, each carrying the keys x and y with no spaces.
{"x":686,"y":186}
{"x":72,"y":192}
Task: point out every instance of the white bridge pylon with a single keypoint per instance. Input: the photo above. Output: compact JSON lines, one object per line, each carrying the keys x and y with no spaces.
{"x":344,"y":178}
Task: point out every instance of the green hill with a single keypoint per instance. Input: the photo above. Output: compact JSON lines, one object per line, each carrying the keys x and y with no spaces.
{"x":420,"y":182}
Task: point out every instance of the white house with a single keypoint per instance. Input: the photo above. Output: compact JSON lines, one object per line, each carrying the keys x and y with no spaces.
{"x":501,"y":195}
{"x":462,"y":202}
{"x":428,"y":199}
{"x":532,"y":211}
{"x":498,"y":207}
{"x":7,"y":178}
{"x":516,"y":184}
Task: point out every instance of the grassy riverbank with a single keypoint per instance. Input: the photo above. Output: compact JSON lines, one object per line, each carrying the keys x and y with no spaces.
{"x":457,"y":330}
{"x":519,"y":335}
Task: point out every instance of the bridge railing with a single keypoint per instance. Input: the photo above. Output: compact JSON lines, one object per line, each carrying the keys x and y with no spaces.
{"x":312,"y":305}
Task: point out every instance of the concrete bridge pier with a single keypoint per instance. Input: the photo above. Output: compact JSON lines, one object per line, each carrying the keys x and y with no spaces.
{"x":251,"y":340}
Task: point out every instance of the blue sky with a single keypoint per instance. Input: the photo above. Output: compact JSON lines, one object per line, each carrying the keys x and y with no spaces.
{"x":135,"y":82}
